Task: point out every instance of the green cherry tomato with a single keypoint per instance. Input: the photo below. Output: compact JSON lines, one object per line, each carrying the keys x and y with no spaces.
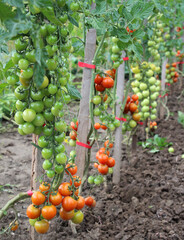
{"x":32,"y":221}
{"x":43,"y":31}
{"x":13,"y":79}
{"x":74,"y":6}
{"x":48,"y":116}
{"x":50,"y":173}
{"x":23,"y":64}
{"x":63,"y":81}
{"x":16,"y":57}
{"x":61,"y":158}
{"x":110,"y":170}
{"x":59,"y":168}
{"x":97,"y":181}
{"x":28,"y":128}
{"x":21,"y":93}
{"x":42,"y":142}
{"x":78,"y":217}
{"x":64,"y":32}
{"x":20,"y":130}
{"x":20,"y":105}
{"x":60,"y":148}
{"x":72,"y":143}
{"x":51,"y":28}
{"x":47,"y":153}
{"x":116,"y":123}
{"x":61,"y":3}
{"x":51,"y":40}
{"x":37,"y":95}
{"x":115,"y":49}
{"x":27,"y":74}
{"x":55,"y":111}
{"x":47,"y":131}
{"x":132,"y":123}
{"x":90,"y":179}
{"x":52,"y":89}
{"x":39,"y":120}
{"x":20,"y":45}
{"x":38,"y":130}
{"x":96,"y":112}
{"x":18,"y":117}
{"x":51,"y":64}
{"x":29,"y":115}
{"x":38,"y":106}
{"x":47,"y":165}
{"x":67,"y":98}
{"x":73,"y":154}
{"x":61,"y":126}
{"x":63,"y":18}
{"x":50,"y":51}
{"x":45,"y":83}
{"x":60,"y":138}
{"x":111,"y":126}
{"x":58,"y":105}
{"x":48,"y":102}
{"x":97,"y":100}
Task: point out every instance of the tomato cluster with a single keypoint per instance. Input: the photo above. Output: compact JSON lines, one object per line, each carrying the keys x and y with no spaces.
{"x":171,"y":73}
{"x":179,"y":54}
{"x":73,"y":133}
{"x":116,"y":53}
{"x":131,"y":106}
{"x":147,"y":88}
{"x":102,"y":83}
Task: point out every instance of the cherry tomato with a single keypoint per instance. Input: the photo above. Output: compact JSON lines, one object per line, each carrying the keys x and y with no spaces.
{"x":28,"y":128}
{"x":97,"y":126}
{"x":103,"y":169}
{"x":72,"y":168}
{"x":47,"y":153}
{"x":38,"y":198}
{"x":20,"y":45}
{"x":42,"y":142}
{"x":16,"y":57}
{"x":107,"y":144}
{"x":44,"y":187}
{"x":108,"y":82}
{"x":61,"y":158}
{"x":64,"y":189}
{"x":23,"y":64}
{"x":74,"y":6}
{"x":77,"y":181}
{"x":69,"y":203}
{"x":49,"y":212}
{"x":98,"y":79}
{"x":66,"y":215}
{"x":89,"y":201}
{"x":41,"y":226}
{"x":21,"y":93}
{"x":102,"y":158}
{"x":78,"y":217}
{"x":13,"y":79}
{"x":14,"y":226}
{"x":99,"y":87}
{"x":110,"y":162}
{"x":30,"y":56}
{"x":33,"y":212}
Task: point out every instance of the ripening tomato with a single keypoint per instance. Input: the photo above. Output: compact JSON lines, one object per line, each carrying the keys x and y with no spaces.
{"x":103,"y":169}
{"x":72,"y":168}
{"x":103,"y":126}
{"x":136,"y":116}
{"x":55,"y":198}
{"x":110,"y":73}
{"x":64,"y":189}
{"x":132,"y":107}
{"x":65,"y":215}
{"x":135,"y":97}
{"x":110,"y":162}
{"x":98,"y":79}
{"x":102,"y":158}
{"x":74,"y":125}
{"x":89,"y":201}
{"x":108,"y":82}
{"x":80,"y":203}
{"x":33,"y":212}
{"x":99,"y":87}
{"x":14,"y":226}
{"x":103,"y":150}
{"x":41,"y":226}
{"x":107,"y":144}
{"x":97,"y":126}
{"x":77,"y":181}
{"x":38,"y":198}
{"x":73,"y":135}
{"x":69,"y":203}
{"x":49,"y":212}
{"x":96,"y":165}
{"x":44,"y":187}
{"x":174,"y":64}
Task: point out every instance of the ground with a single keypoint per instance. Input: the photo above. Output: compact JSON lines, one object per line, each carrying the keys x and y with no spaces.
{"x":148,"y":204}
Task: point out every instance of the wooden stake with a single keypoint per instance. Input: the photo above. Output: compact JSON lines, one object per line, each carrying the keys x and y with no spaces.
{"x":83,"y":118}
{"x":118,"y":132}
{"x":163,"y":77}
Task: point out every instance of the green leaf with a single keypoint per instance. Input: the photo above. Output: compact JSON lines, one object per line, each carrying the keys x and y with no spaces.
{"x":138,"y":33}
{"x":73,"y":92}
{"x":8,"y":65}
{"x":3,"y":86}
{"x":14,"y":3}
{"x":154,"y":150}
{"x":73,"y":21}
{"x":181,"y":118}
{"x":100,"y":8}
{"x":41,"y":3}
{"x":6,"y":11}
{"x":50,"y":15}
{"x":36,"y":146}
{"x":138,"y":50}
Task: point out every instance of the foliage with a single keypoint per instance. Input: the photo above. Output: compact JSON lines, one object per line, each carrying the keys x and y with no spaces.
{"x":155,"y":144}
{"x":181,"y":118}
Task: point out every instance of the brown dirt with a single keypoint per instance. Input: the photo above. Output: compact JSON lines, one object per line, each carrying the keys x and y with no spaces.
{"x":148,"y":204}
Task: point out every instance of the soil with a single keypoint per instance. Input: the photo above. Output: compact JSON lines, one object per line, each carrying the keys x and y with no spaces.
{"x":148,"y":203}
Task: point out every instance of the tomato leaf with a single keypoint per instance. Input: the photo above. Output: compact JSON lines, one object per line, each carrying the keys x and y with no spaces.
{"x":73,"y":92}
{"x":6,"y":11}
{"x":50,"y":15}
{"x":14,"y":3}
{"x":36,"y":146}
{"x":8,"y":65}
{"x":73,"y":21}
{"x":41,"y":3}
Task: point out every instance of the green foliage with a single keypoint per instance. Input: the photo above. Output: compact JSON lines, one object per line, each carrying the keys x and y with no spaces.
{"x":155,"y":144}
{"x":73,"y":92}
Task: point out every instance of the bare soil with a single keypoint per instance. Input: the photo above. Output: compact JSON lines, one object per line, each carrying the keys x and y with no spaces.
{"x":148,"y":204}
